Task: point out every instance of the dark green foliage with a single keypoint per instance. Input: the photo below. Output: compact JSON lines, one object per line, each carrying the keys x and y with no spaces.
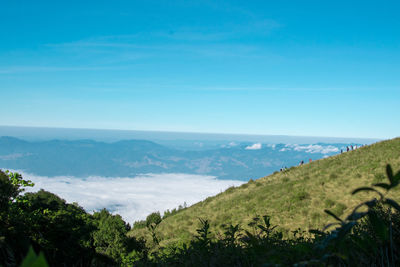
{"x":153,"y":218}
{"x":203,"y":234}
{"x":13,"y":238}
{"x":68,"y":236}
{"x":64,"y":233}
{"x":110,"y":237}
{"x":11,"y":185}
{"x":60,"y":230}
{"x":152,"y":221}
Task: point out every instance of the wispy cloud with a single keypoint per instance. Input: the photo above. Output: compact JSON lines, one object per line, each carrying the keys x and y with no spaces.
{"x":133,"y":198}
{"x":222,"y":33}
{"x":182,"y":35}
{"x":119,"y":51}
{"x":222,"y":40}
{"x":136,"y":49}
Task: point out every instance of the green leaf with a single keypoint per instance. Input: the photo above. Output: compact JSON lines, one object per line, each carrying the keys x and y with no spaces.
{"x":396,"y":179}
{"x":262,"y":227}
{"x":389,"y":173}
{"x":383,"y":185}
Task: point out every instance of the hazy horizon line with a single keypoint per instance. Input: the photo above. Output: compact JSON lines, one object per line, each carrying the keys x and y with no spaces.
{"x":209,"y":134}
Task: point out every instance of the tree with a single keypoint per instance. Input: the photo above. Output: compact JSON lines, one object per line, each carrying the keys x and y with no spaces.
{"x":61,"y":230}
{"x":13,"y":241}
{"x":153,"y":218}
{"x":110,"y":237}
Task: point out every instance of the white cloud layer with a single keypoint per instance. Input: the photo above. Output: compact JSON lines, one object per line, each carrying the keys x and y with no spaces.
{"x":311,"y":148}
{"x":254,"y":146}
{"x":132,"y":198}
{"x":316,"y":149}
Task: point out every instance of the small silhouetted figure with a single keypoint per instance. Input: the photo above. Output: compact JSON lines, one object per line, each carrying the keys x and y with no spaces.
{"x":341,"y":151}
{"x":351,"y":147}
{"x":348,"y":149}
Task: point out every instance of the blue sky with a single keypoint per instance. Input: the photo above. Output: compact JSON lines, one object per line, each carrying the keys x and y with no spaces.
{"x":312,"y":68}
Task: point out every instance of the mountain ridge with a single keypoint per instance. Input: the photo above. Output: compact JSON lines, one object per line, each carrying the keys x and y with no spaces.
{"x":128,"y":158}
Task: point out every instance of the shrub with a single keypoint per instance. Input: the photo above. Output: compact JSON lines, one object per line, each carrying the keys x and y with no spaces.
{"x":139,"y":224}
{"x":153,"y":218}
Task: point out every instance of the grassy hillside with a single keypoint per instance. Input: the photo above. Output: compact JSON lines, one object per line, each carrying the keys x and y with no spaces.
{"x":294,"y":198}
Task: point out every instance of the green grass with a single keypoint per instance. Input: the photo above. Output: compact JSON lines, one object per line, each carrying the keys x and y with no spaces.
{"x":294,"y":198}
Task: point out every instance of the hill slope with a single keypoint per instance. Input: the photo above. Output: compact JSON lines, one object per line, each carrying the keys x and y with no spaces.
{"x":294,"y":198}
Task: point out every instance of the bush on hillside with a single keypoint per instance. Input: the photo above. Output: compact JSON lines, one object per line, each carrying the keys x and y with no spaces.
{"x":68,"y":236}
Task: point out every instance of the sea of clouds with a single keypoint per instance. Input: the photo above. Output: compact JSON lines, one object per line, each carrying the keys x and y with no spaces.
{"x":312,"y":148}
{"x":132,"y":198}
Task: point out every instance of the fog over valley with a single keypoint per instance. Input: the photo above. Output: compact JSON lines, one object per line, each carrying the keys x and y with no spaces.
{"x":132,"y":198}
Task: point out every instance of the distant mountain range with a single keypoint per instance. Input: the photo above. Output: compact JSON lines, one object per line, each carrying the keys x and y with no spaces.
{"x":129,"y":158}
{"x":183,"y":140}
